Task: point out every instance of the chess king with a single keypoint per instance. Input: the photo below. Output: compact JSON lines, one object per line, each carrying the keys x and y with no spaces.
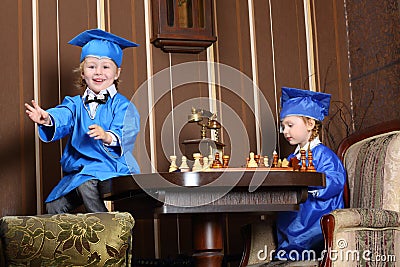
{"x":302,"y":113}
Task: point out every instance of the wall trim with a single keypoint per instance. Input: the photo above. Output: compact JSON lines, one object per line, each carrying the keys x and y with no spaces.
{"x":36,"y":88}
{"x":310,"y":45}
{"x":254,"y":70}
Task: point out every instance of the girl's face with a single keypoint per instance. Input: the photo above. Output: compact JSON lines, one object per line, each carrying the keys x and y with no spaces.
{"x":99,"y":74}
{"x":297,"y":130}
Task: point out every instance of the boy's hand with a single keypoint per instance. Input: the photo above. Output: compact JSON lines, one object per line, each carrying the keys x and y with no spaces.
{"x":96,"y":132}
{"x":37,"y":114}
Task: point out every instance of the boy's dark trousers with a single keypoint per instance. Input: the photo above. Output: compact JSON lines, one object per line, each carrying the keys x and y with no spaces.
{"x":86,"y":194}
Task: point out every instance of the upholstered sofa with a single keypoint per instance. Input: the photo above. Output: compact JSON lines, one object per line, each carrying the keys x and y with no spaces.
{"x":86,"y":239}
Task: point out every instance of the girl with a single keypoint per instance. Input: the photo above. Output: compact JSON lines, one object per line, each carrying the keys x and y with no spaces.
{"x":299,"y":233}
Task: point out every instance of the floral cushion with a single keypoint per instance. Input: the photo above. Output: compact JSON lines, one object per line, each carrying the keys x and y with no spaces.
{"x":91,"y":239}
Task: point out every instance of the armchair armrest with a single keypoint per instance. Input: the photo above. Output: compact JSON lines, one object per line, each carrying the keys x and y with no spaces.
{"x":339,"y":222}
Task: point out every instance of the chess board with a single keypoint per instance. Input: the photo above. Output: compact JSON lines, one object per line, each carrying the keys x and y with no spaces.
{"x":257,"y":169}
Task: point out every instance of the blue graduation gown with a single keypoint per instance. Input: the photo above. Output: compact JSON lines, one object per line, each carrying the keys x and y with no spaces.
{"x":300,"y":231}
{"x":85,"y":158}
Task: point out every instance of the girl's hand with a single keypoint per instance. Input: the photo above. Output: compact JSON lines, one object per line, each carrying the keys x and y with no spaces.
{"x":98,"y":133}
{"x":37,"y":114}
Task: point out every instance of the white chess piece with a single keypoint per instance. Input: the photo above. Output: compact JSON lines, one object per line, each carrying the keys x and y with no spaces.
{"x":252,"y":162}
{"x":285,"y":163}
{"x":196,"y":165}
{"x":266,"y":161}
{"x":184,"y":166}
{"x":173,"y":167}
{"x":206,"y":164}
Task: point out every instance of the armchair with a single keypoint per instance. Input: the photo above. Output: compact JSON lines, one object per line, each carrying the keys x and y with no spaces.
{"x":91,"y":239}
{"x":367,"y":231}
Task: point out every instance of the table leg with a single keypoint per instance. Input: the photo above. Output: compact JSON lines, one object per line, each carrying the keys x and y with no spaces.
{"x":207,"y":240}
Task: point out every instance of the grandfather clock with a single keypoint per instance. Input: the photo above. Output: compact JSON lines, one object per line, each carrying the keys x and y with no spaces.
{"x":183,"y":26}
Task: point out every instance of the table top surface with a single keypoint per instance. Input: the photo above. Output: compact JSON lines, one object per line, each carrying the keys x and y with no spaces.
{"x":212,"y":180}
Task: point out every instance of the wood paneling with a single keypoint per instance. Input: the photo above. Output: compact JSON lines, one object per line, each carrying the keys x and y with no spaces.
{"x":17,"y":156}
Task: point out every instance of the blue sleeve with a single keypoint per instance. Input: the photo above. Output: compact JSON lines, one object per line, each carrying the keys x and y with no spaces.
{"x":125,"y":126}
{"x":63,"y":122}
{"x":326,"y":161}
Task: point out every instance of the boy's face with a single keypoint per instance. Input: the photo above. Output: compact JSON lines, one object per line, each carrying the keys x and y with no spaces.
{"x":297,"y":130}
{"x":99,"y":74}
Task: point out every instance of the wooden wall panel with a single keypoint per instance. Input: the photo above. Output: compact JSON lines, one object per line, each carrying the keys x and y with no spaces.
{"x":126,"y":18}
{"x":332,"y":68}
{"x":17,"y":156}
{"x":290,"y":44}
{"x":58,"y":22}
{"x":233,"y":50}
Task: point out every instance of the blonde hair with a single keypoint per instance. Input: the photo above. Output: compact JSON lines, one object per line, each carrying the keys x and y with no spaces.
{"x":80,"y":83}
{"x":314,"y":131}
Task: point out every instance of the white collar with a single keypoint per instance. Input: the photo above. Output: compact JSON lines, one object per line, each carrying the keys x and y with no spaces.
{"x":111,"y":90}
{"x":315,"y":142}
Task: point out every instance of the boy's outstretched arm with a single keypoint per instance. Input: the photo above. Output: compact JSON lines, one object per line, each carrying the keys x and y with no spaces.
{"x":37,"y":114}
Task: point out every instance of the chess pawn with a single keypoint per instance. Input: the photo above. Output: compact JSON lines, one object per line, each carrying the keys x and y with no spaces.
{"x":279,"y":163}
{"x":275,"y":160}
{"x":261,"y":162}
{"x":266,"y":161}
{"x":210,"y":160}
{"x":310,"y":167}
{"x":285,"y":163}
{"x":206,"y":164}
{"x":303,"y":167}
{"x":252,"y":162}
{"x":216,"y":163}
{"x":197,"y":165}
{"x":225,"y":161}
{"x":173,"y":167}
{"x":184,"y":166}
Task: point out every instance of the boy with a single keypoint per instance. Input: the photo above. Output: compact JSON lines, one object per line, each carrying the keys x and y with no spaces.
{"x":94,"y":123}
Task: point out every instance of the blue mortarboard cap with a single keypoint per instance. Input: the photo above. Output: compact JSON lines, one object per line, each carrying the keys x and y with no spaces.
{"x":306,"y":103}
{"x":99,"y":43}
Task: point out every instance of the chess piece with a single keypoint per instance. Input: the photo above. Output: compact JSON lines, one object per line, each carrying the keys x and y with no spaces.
{"x":303,"y":167}
{"x":173,"y":167}
{"x":184,"y":166}
{"x":252,"y":162}
{"x":275,"y":160}
{"x":285,"y":163}
{"x":310,"y":167}
{"x":216,"y":163}
{"x":210,"y":160}
{"x":206,"y":164}
{"x":197,"y":165}
{"x":257,"y":159}
{"x":279,"y":163}
{"x":266,"y":161}
{"x":261,"y":162}
{"x":294,"y":162}
{"x":225,"y":161}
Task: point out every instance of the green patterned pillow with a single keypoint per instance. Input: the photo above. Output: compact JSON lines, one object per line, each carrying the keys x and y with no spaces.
{"x":91,"y":239}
